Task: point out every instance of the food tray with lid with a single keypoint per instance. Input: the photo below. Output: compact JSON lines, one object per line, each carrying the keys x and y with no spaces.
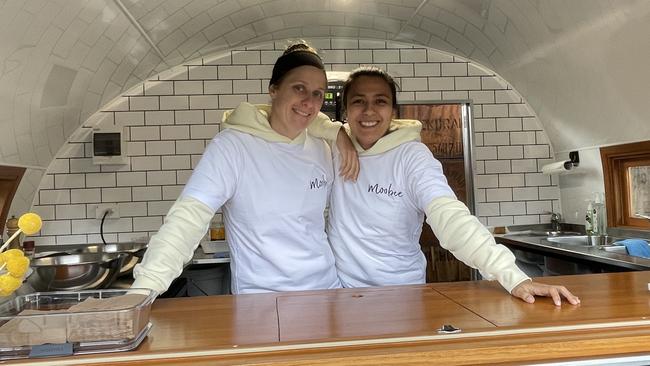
{"x":89,"y":321}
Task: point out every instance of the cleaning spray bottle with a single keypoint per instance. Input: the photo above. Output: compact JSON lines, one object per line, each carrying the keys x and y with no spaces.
{"x":599,"y":224}
{"x":589,"y":218}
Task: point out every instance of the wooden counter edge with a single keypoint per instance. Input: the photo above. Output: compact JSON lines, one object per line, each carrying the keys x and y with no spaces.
{"x":468,"y":350}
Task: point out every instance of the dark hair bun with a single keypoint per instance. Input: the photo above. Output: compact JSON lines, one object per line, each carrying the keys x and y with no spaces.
{"x":300,"y":46}
{"x":296,"y":55}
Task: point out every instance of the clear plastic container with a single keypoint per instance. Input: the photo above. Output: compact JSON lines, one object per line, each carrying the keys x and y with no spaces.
{"x":92,"y":321}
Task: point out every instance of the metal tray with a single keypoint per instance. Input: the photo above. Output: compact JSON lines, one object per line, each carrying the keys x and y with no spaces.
{"x":66,"y":322}
{"x":81,"y":348}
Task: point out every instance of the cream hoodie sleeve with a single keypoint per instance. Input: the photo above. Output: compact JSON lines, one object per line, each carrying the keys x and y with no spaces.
{"x":174,"y":244}
{"x":468,"y":240}
{"x":324,"y":128}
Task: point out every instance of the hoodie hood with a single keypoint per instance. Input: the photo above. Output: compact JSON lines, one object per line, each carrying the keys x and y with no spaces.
{"x":254,"y":120}
{"x":399,"y":132}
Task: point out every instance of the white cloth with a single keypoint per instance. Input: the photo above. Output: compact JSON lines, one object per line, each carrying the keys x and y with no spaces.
{"x":273,"y":196}
{"x":375,"y":223}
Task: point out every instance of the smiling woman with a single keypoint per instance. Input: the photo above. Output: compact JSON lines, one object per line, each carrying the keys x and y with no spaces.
{"x":370,"y":106}
{"x":271,"y":179}
{"x":297,"y":100}
{"x":375,"y":224}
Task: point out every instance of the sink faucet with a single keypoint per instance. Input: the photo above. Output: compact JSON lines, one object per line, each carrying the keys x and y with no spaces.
{"x":555,"y":221}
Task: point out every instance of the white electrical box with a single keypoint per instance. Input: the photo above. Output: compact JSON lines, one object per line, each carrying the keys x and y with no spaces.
{"x":109,"y":146}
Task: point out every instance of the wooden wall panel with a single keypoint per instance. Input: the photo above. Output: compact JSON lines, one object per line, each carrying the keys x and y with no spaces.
{"x":442,"y":132}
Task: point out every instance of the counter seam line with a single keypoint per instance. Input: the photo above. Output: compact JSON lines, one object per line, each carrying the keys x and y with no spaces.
{"x":277,"y":316}
{"x":464,"y":307}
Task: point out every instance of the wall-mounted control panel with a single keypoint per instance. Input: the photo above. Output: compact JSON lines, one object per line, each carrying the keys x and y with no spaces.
{"x":332,"y":99}
{"x":109,"y":146}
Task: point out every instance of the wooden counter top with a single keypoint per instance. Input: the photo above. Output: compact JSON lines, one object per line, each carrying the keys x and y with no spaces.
{"x":397,"y":325}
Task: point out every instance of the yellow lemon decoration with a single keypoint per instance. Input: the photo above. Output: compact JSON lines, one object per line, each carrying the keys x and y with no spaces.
{"x":6,"y":256}
{"x":13,"y":268}
{"x":17,"y":266}
{"x":12,"y":253}
{"x":9,"y":284}
{"x":13,"y":263}
{"x":30,"y":223}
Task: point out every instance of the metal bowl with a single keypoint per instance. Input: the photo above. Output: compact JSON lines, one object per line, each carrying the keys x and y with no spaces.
{"x":134,"y":251}
{"x":76,"y":272}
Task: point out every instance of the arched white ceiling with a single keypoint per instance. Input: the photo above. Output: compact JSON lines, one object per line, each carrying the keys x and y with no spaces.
{"x":580,"y":64}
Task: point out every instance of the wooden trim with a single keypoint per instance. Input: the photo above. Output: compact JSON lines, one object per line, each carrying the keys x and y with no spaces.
{"x":10,"y":177}
{"x":616,"y":160}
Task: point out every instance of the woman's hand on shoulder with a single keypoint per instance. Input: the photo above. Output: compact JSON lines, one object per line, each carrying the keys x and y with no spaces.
{"x":527,"y":291}
{"x":349,"y":157}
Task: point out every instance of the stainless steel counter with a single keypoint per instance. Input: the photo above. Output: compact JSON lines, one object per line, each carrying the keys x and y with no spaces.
{"x":540,"y":245}
{"x":200,"y":257}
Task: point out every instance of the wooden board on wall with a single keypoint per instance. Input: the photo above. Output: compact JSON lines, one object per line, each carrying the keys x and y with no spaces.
{"x":442,"y":127}
{"x":10,"y":178}
{"x":442,"y":132}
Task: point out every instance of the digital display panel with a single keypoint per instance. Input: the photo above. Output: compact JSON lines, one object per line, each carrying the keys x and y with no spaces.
{"x":329,"y":96}
{"x":106,"y":144}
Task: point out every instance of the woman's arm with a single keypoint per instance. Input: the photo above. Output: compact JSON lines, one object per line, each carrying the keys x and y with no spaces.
{"x":173,"y":245}
{"x":324,"y":128}
{"x":468,"y":240}
{"x":461,"y":233}
{"x":212,"y":183}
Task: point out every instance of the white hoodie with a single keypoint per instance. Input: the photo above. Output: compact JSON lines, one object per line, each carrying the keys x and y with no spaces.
{"x":272,"y":191}
{"x":375,"y":223}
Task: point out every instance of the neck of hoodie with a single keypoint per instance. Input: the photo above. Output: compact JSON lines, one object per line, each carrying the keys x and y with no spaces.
{"x":254,"y":120}
{"x":399,"y":131}
{"x":280,"y":128}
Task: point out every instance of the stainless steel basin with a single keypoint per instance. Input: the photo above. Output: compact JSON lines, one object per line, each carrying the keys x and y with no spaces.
{"x":619,"y":249}
{"x":541,"y":233}
{"x":76,"y":272}
{"x":584,"y":240}
{"x":134,"y":251}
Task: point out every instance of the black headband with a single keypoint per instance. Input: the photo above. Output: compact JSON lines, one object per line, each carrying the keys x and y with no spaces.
{"x":290,"y":61}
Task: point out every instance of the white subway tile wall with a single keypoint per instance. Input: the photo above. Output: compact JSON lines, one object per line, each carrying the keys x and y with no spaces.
{"x":169,"y":120}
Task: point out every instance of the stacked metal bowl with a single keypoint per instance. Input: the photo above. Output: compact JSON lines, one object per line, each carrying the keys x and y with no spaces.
{"x":134,"y":251}
{"x":85,"y":267}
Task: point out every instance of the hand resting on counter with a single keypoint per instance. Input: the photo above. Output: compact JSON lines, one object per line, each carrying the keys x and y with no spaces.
{"x":527,"y":291}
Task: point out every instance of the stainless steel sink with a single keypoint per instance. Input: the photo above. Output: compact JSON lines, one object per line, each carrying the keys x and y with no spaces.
{"x":541,"y":233}
{"x":584,"y":240}
{"x":619,"y":249}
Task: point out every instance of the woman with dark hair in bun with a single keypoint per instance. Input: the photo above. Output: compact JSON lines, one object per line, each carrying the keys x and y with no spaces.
{"x":272,"y":181}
